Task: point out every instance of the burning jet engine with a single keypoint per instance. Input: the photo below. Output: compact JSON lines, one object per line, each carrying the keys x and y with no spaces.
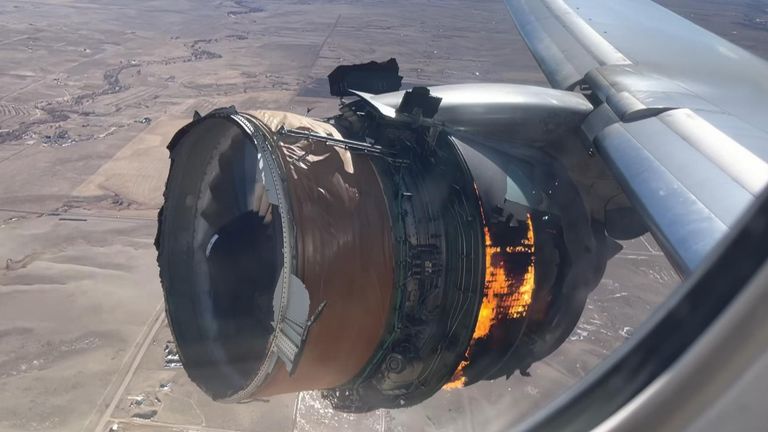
{"x":418,"y":240}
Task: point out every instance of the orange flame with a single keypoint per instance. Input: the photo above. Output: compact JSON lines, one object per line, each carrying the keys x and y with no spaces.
{"x":504,"y":297}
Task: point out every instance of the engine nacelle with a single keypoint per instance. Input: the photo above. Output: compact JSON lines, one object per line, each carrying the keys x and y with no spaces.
{"x":379,"y":255}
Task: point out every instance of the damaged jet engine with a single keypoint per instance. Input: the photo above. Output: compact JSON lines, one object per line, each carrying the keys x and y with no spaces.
{"x":418,"y":240}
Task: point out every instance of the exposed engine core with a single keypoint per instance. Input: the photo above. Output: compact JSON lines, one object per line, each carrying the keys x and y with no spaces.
{"x":376,"y":259}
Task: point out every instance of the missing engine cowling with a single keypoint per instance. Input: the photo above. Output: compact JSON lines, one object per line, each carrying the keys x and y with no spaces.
{"x":374,"y":258}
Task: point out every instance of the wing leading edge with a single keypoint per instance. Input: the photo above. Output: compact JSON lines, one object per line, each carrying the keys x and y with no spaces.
{"x":680,"y":113}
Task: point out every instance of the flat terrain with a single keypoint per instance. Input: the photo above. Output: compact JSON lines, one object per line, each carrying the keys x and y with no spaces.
{"x":90,"y":93}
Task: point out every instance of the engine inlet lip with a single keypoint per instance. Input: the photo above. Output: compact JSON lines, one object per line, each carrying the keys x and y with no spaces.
{"x":253,"y":131}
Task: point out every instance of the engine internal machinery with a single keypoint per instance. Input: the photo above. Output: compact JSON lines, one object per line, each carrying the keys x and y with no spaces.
{"x":380,"y":256}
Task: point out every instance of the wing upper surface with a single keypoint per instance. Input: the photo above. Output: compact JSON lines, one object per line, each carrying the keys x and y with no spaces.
{"x":681,"y":118}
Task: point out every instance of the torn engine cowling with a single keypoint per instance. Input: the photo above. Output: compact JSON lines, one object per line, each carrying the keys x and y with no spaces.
{"x":380,"y":255}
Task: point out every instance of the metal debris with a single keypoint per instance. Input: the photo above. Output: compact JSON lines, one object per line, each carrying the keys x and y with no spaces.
{"x":372,"y":77}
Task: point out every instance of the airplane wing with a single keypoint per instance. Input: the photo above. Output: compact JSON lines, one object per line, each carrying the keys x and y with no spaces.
{"x":681,"y":115}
